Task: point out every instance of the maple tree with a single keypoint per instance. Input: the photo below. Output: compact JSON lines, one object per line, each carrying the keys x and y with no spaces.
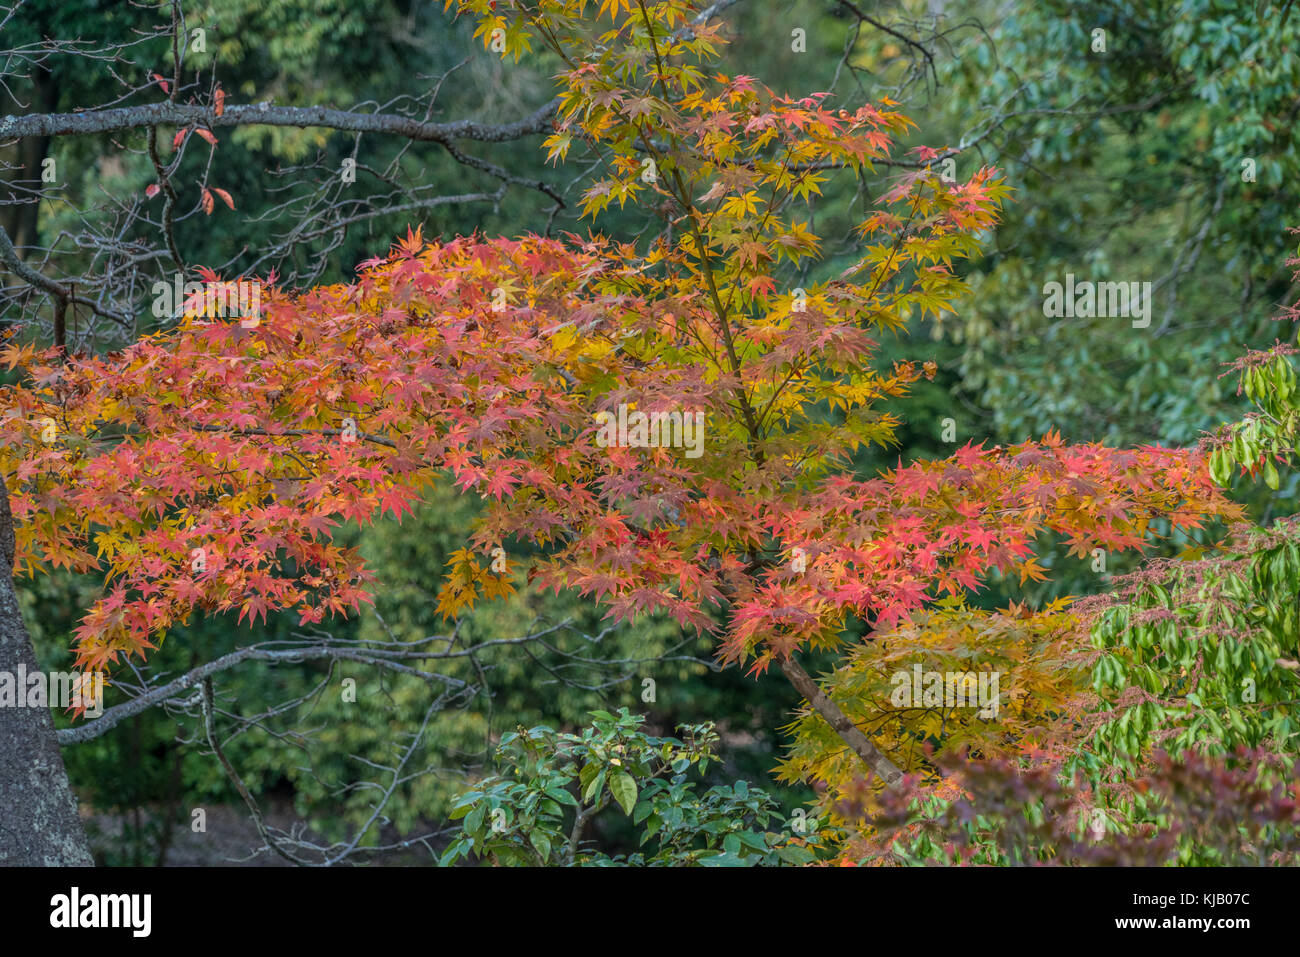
{"x":202,"y":469}
{"x":1178,"y":741}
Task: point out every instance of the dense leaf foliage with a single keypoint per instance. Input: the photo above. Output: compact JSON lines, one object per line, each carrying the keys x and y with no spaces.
{"x":519,"y":817}
{"x":204,"y":469}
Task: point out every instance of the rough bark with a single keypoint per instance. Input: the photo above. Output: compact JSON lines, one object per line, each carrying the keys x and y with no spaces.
{"x":39,"y":825}
{"x":117,"y":119}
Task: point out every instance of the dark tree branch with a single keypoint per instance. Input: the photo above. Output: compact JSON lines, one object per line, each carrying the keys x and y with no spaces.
{"x":209,"y":727}
{"x":262,"y":114}
{"x":62,"y":295}
{"x":118,"y":713}
{"x":854,"y":9}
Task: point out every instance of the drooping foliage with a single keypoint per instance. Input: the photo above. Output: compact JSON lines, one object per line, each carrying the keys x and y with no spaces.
{"x":203,"y":469}
{"x":1180,"y":746}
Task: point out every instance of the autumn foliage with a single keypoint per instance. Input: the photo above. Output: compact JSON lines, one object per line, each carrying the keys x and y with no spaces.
{"x":202,"y":470}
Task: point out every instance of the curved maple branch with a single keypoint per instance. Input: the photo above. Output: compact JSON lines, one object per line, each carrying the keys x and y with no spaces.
{"x":11,"y":260}
{"x":506,"y":177}
{"x":385,"y":657}
{"x":849,"y":732}
{"x":163,"y":172}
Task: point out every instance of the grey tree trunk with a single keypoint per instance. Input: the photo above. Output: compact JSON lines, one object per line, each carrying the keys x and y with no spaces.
{"x":39,"y":825}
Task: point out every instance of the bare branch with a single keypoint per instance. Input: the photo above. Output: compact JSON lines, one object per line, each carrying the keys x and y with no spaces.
{"x":115,"y":715}
{"x":263,"y":114}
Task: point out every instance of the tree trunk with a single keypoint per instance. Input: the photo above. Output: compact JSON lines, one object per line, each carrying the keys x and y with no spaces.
{"x":39,"y":825}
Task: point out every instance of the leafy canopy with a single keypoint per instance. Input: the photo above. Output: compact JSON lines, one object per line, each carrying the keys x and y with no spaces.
{"x":203,"y":469}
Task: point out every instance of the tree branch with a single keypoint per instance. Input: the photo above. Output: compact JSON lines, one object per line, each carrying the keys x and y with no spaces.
{"x":118,"y":713}
{"x":62,"y":295}
{"x":363,"y":436}
{"x":849,"y":732}
{"x":209,"y":726}
{"x":263,"y":114}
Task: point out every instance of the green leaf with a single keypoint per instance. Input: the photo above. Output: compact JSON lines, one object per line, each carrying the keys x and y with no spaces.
{"x":562,"y":796}
{"x":623,"y":787}
{"x":464,"y":804}
{"x":592,"y":791}
{"x":721,"y":860}
{"x":792,"y":854}
{"x":540,"y":841}
{"x":454,"y":850}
